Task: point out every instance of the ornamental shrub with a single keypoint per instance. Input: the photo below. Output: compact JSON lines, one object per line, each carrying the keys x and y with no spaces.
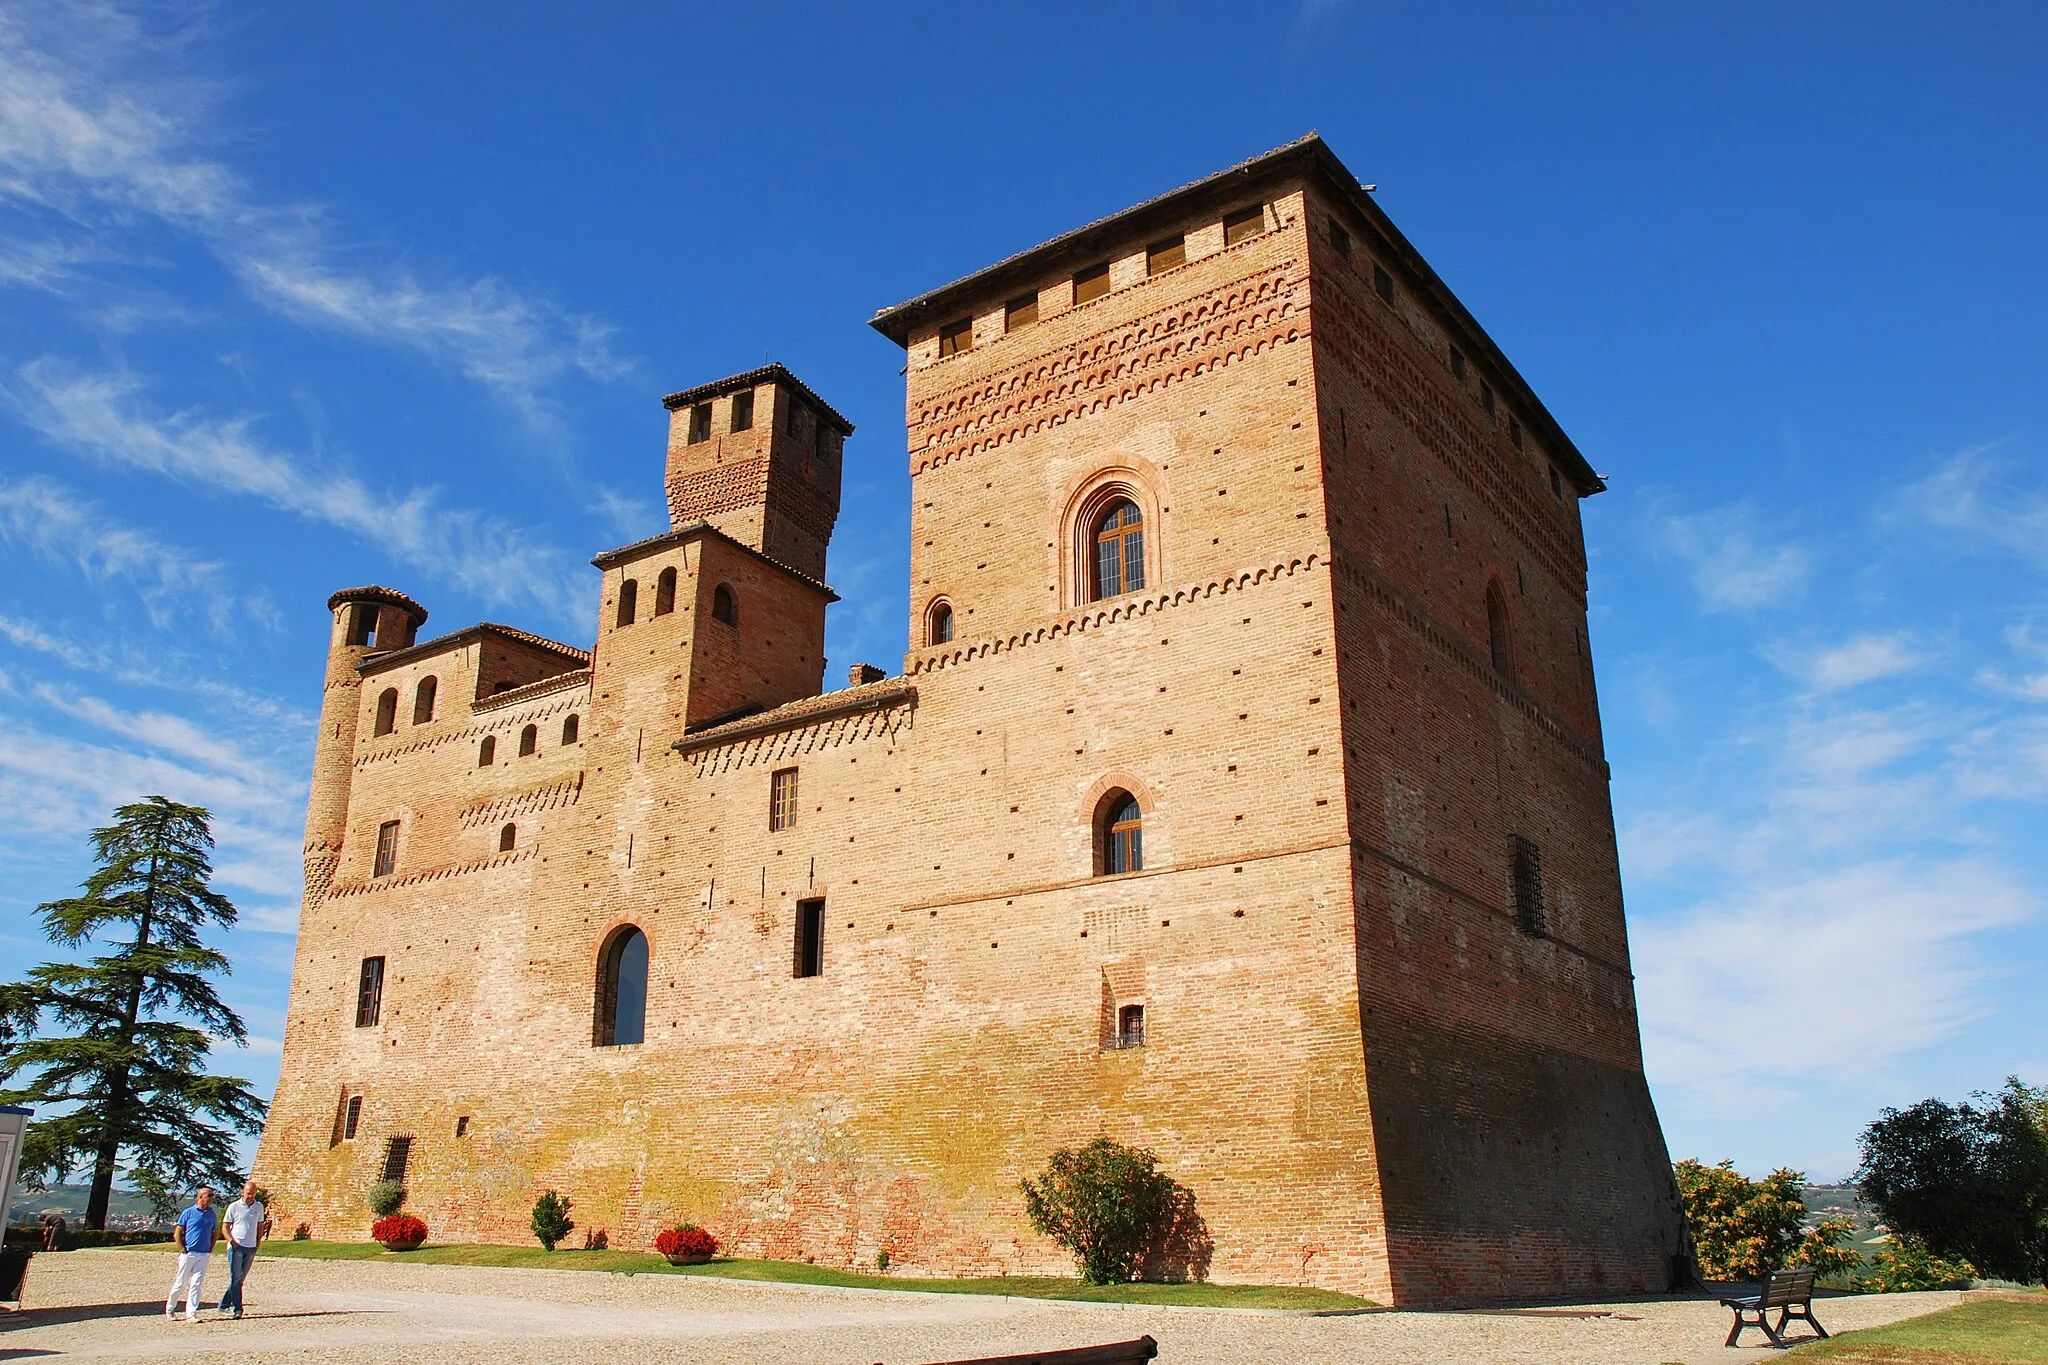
{"x":398,"y":1227}
{"x":1105,"y":1203}
{"x":1743,"y":1229}
{"x":551,"y":1222}
{"x":1904,"y":1265}
{"x":686,"y":1240}
{"x":385,"y":1198}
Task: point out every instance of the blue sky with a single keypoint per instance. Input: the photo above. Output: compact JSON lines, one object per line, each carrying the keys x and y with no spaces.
{"x":296,"y":297}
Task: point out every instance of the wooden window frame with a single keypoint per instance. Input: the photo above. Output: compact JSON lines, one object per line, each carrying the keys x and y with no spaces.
{"x":1168,"y":253}
{"x":938,"y":623}
{"x":1244,"y":224}
{"x":385,"y":861}
{"x":742,"y":418}
{"x":782,"y":800}
{"x":1128,"y":536}
{"x":1020,"y":312}
{"x":1091,"y":283}
{"x":956,"y":338}
{"x":699,"y":426}
{"x":370,"y":992}
{"x":351,"y":1117}
{"x":1121,"y":839}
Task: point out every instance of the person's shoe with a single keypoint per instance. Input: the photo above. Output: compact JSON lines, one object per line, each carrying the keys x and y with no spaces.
{"x":170,"y":1315}
{"x":238,"y":1315}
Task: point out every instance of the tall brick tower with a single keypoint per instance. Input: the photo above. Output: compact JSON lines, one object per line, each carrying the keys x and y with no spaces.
{"x":366,"y":621}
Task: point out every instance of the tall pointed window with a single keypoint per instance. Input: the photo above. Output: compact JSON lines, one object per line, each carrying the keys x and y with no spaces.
{"x":423,"y":700}
{"x":1120,"y":834}
{"x":1119,"y":546}
{"x":665,"y":592}
{"x":1499,"y":644}
{"x":387,"y":712}
{"x":622,"y":989}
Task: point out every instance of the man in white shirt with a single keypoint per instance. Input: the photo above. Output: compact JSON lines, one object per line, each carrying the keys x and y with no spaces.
{"x":244,"y":1223}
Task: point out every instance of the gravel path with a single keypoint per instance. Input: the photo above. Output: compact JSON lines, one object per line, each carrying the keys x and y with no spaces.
{"x":107,"y":1305}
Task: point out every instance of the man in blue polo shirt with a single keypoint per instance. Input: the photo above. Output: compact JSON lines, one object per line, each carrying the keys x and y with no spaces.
{"x":193,"y":1233}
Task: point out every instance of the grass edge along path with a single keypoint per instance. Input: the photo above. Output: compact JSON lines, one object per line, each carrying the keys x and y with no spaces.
{"x":1269,"y":1296}
{"x":2002,"y":1331}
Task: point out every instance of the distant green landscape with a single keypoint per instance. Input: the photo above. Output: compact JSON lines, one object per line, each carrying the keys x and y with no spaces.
{"x":126,"y":1209}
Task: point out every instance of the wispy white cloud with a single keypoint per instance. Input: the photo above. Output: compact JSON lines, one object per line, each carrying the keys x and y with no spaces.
{"x":59,"y":525}
{"x":96,"y":130}
{"x":1864,"y":659}
{"x":1971,"y":498}
{"x":1732,"y":567}
{"x":158,"y":666}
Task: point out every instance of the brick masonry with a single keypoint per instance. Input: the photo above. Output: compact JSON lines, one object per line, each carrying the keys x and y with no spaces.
{"x":1370,"y":1075}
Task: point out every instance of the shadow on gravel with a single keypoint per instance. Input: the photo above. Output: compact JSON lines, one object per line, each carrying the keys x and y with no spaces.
{"x":93,"y":1312}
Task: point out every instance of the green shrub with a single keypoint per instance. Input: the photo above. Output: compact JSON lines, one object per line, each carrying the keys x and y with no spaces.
{"x":1105,"y":1203}
{"x":1904,"y":1265}
{"x":1742,"y":1229}
{"x":551,"y":1222}
{"x":385,"y":1198}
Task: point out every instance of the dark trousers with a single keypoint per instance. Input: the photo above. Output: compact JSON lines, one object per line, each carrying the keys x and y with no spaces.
{"x":239,"y":1260}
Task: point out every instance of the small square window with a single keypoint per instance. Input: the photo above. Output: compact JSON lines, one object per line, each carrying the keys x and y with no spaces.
{"x":1165,"y":255}
{"x":956,"y":337}
{"x":1382,"y":283}
{"x":1486,"y":397}
{"x":743,"y":411}
{"x":1021,"y":311}
{"x":1130,"y":1026}
{"x":1244,"y":225}
{"x":387,"y":849}
{"x":1340,"y":239}
{"x":700,"y":424}
{"x":1091,"y":283}
{"x":782,"y":799}
{"x":1457,"y":363}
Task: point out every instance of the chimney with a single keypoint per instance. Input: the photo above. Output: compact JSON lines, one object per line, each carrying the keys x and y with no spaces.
{"x":864,"y":673}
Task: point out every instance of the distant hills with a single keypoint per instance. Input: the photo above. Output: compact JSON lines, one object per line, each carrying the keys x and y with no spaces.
{"x":126,"y":1209}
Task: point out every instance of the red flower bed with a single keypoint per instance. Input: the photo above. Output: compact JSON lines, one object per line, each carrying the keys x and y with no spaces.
{"x":688,"y":1241}
{"x":399,"y":1232}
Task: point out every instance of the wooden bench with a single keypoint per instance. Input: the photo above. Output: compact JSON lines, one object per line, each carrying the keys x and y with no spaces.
{"x":1788,"y":1291}
{"x":1116,"y":1353}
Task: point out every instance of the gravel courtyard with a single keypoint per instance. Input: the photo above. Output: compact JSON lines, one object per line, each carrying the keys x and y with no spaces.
{"x":93,"y":1305}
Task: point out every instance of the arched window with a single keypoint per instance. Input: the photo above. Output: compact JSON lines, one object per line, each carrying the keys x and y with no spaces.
{"x":1497,"y":639}
{"x":939,"y":631}
{"x":622,"y":989}
{"x":665,"y":592}
{"x":724,"y":607}
{"x":1120,"y":834}
{"x":487,"y":752}
{"x":569,"y":729}
{"x":387,"y":712}
{"x":529,"y":740}
{"x":629,"y":602}
{"x":423,"y":700}
{"x":508,"y":838}
{"x":1119,"y":549}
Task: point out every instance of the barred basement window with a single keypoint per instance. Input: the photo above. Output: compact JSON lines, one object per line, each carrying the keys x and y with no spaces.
{"x":387,"y":849}
{"x":1021,"y":311}
{"x":1244,"y":224}
{"x":1130,"y":1026}
{"x":629,"y":603}
{"x":810,"y":939}
{"x":423,"y":700}
{"x":743,"y":411}
{"x":1166,"y":254}
{"x":508,"y":838}
{"x":782,"y":799}
{"x":352,"y":1117}
{"x":700,"y":424}
{"x":1382,"y":283}
{"x":529,"y":741}
{"x":956,"y":337}
{"x":665,"y":592}
{"x":622,"y":989}
{"x":397,"y":1153}
{"x":370,"y":993}
{"x":1091,"y":283}
{"x":387,"y":712}
{"x":1528,"y":888}
{"x":569,"y":728}
{"x":487,"y":752}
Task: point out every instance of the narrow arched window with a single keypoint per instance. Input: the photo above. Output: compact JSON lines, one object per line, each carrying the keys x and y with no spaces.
{"x":724,"y":607}
{"x":629,"y":602}
{"x":1119,"y":546}
{"x":387,"y":712}
{"x":423,"y":700}
{"x":940,"y":631}
{"x":569,"y":729}
{"x":1120,"y":834}
{"x":665,"y":592}
{"x":622,"y":989}
{"x":508,"y":838}
{"x":1497,"y":639}
{"x":529,"y":740}
{"x":487,"y":752}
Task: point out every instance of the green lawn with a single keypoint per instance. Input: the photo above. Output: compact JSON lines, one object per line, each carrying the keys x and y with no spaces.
{"x":1984,"y":1332}
{"x":796,"y":1272}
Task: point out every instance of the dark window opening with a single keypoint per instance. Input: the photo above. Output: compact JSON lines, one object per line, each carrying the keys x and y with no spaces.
{"x":353,"y":1117}
{"x":1382,"y":283}
{"x":1499,"y":645}
{"x":1244,"y":224}
{"x":1486,"y":397}
{"x":370,"y":993}
{"x":387,"y":849}
{"x":423,"y":700}
{"x":810,"y":938}
{"x":462,"y":1126}
{"x":1457,"y":363}
{"x":1119,"y":551}
{"x":665,"y":592}
{"x":387,"y":712}
{"x":700,"y":424}
{"x":362,"y":624}
{"x":508,"y":838}
{"x":1166,"y":254}
{"x":796,"y":417}
{"x":724,"y":607}
{"x":1556,"y":484}
{"x":1130,"y":1026}
{"x":529,"y":740}
{"x":1340,"y":239}
{"x":1091,"y":283}
{"x":397,"y":1154}
{"x":1530,"y":916}
{"x":487,"y":752}
{"x":622,"y":989}
{"x":956,"y":337}
{"x":501,"y":686}
{"x":1021,"y":311}
{"x":629,"y":603}
{"x":941,"y":631}
{"x":743,"y":411}
{"x":782,"y":799}
{"x":1121,"y":834}
{"x":569,"y":728}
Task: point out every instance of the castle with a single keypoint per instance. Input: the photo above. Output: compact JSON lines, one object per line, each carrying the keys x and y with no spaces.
{"x":1241,"y":796}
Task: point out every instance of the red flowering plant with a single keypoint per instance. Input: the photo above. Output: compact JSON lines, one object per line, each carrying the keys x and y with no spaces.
{"x":686,"y":1245}
{"x":399,"y":1232}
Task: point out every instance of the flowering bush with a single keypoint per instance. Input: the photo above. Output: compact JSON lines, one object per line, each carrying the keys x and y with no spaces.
{"x":687,"y":1240}
{"x":399,"y":1231}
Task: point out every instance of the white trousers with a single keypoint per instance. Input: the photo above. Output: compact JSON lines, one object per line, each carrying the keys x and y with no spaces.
{"x":191,"y":1270}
